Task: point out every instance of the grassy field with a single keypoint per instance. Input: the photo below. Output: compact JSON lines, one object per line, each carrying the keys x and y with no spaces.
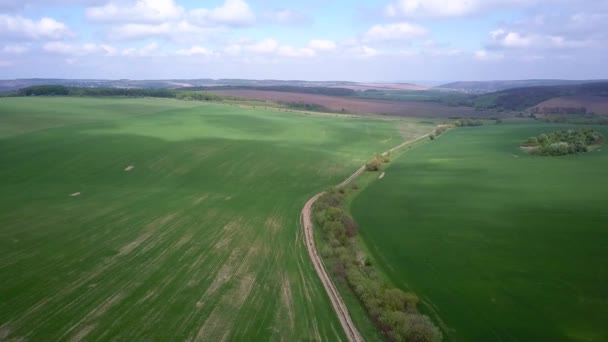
{"x":198,"y":240}
{"x":501,"y":245}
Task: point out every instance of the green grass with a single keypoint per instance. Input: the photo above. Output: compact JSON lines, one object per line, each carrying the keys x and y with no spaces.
{"x":503,"y":246}
{"x":200,"y":240}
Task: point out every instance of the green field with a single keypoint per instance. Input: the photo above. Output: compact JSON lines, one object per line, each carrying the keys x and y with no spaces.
{"x":198,"y":240}
{"x":502,"y":246}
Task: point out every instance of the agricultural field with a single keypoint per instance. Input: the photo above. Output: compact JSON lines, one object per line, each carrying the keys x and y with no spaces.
{"x":359,"y":106}
{"x":157,"y":219}
{"x":500,"y":245}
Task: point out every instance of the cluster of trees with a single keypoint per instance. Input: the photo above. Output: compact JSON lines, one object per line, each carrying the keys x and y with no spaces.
{"x":467,"y":123}
{"x":586,"y":119}
{"x":58,"y":90}
{"x":393,"y":311}
{"x":559,"y":110}
{"x":200,"y":96}
{"x":305,"y":106}
{"x":438,"y":131}
{"x":376,"y":162}
{"x":48,"y":90}
{"x":564,"y":142}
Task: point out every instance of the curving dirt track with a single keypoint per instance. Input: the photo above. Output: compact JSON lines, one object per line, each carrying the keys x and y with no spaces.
{"x":349,"y":327}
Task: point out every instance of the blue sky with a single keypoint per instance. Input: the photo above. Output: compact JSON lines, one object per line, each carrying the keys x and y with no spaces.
{"x":381,"y":40}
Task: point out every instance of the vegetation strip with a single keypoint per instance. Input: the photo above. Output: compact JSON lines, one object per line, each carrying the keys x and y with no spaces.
{"x":306,"y":218}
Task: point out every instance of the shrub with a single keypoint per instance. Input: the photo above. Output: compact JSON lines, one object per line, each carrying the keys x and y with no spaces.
{"x":421,"y":329}
{"x":374,"y":164}
{"x":350,"y":226}
{"x":533,"y":141}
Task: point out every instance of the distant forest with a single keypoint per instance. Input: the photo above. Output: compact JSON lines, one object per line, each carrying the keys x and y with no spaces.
{"x":520,"y":99}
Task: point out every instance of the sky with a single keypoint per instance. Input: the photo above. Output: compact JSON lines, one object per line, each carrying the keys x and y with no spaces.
{"x":373,"y":40}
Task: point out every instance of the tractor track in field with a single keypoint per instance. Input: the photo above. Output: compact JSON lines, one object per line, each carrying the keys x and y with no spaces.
{"x":337,"y":302}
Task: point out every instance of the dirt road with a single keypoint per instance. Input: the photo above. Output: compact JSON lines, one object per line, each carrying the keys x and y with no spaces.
{"x":349,"y":327}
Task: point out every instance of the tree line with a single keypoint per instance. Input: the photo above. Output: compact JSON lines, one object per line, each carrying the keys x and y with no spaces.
{"x":393,"y":311}
{"x":58,"y":90}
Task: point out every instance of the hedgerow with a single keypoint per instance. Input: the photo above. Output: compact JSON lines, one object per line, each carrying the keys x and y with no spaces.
{"x":393,"y":311}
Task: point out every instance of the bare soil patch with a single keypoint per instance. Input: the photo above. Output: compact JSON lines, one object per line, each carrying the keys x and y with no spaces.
{"x":357,"y":106}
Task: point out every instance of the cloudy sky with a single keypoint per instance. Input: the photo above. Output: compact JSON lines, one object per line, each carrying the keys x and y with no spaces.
{"x":373,"y":40}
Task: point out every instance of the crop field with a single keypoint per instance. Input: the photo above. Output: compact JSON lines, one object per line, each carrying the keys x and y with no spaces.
{"x":500,"y":245}
{"x":155,"y":219}
{"x":359,"y":106}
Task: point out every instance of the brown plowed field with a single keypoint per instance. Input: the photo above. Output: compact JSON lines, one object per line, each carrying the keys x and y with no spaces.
{"x":358,"y":106}
{"x":594,"y":104}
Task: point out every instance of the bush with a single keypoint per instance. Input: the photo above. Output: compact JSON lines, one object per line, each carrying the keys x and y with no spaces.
{"x":467,"y":122}
{"x":533,"y":141}
{"x":374,"y":164}
{"x":421,"y":329}
{"x":350,"y":226}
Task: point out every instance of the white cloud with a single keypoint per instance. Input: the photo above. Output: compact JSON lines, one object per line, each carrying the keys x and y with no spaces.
{"x":322,"y":45}
{"x":361,"y":51}
{"x":180,"y":31}
{"x":167,"y":20}
{"x":195,"y":51}
{"x":510,"y":39}
{"x":16,"y":49}
{"x":286,"y":17}
{"x":19,"y":27}
{"x":148,"y":11}
{"x":431,"y":8}
{"x":457,"y":8}
{"x":79,"y":49}
{"x":483,"y":55}
{"x":264,"y":46}
{"x":394,"y":32}
{"x":87,"y":49}
{"x":134,"y":31}
{"x":232,"y":13}
{"x":288,"y":51}
{"x":504,"y":39}
{"x":11,"y":5}
{"x":147,"y":50}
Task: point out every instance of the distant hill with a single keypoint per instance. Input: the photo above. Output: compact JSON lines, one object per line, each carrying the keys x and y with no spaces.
{"x":493,"y":86}
{"x":582,"y":104}
{"x":11,"y":85}
{"x":521,"y":99}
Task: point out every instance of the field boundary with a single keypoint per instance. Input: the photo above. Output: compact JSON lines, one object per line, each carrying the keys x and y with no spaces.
{"x":337,"y":302}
